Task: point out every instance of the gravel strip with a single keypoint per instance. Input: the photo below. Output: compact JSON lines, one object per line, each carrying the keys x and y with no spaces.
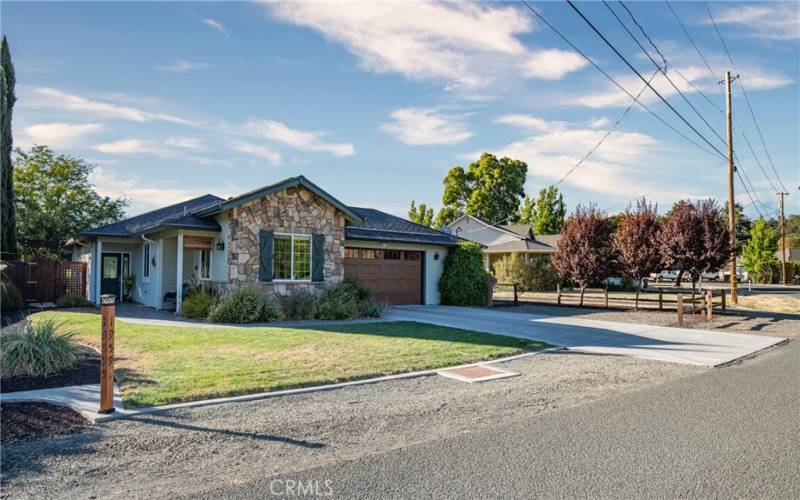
{"x":192,"y":450}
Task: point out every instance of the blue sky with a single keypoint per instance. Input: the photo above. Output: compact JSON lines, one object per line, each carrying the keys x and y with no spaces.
{"x":376,"y":101}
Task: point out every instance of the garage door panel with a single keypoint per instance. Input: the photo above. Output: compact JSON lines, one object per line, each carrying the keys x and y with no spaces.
{"x":391,"y":280}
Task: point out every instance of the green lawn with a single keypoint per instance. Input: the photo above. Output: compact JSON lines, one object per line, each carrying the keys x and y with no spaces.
{"x":159,"y":365}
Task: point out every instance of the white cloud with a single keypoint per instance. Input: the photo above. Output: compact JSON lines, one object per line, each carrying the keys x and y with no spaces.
{"x":425,"y":127}
{"x":216,"y":25}
{"x":524,"y":121}
{"x":773,"y":20}
{"x":263,"y":152}
{"x":133,"y":146}
{"x":181,"y":66}
{"x":460,"y":44}
{"x":57,"y":135}
{"x":184,"y":142}
{"x":599,"y":122}
{"x":299,"y":139}
{"x":553,"y":64}
{"x":48,"y":97}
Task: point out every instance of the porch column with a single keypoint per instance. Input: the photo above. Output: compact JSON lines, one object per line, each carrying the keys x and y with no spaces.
{"x":98,"y":279}
{"x":179,"y":274}
{"x":160,"y":274}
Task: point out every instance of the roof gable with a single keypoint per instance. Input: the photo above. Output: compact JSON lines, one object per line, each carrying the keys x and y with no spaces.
{"x":291,"y":182}
{"x":499,"y":229}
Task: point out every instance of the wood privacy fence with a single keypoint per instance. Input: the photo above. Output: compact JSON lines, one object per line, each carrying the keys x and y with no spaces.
{"x":648,"y":299}
{"x":46,"y":280}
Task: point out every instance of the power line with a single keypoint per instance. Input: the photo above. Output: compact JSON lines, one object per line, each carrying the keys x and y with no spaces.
{"x":601,"y":70}
{"x":617,"y":52}
{"x":686,"y":32}
{"x":664,"y":70}
{"x":614,"y":126}
{"x":746,"y":98}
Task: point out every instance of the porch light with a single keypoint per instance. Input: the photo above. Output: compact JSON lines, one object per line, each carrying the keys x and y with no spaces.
{"x":436,"y":256}
{"x":220,"y":245}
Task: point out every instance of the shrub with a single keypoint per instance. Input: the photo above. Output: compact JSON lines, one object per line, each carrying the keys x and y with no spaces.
{"x":300,"y":305}
{"x":464,"y":281}
{"x":248,"y":304}
{"x":73,"y":300}
{"x":339,"y":302}
{"x":38,"y":349}
{"x":10,"y":297}
{"x":361,"y":292}
{"x":368,"y":309}
{"x":198,"y":304}
{"x":535,"y":275}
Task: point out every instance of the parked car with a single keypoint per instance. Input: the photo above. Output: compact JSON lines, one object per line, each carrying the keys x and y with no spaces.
{"x":666,"y":275}
{"x":710,"y":276}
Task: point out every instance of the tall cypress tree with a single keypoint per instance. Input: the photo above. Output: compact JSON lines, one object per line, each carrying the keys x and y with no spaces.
{"x":8,"y":219}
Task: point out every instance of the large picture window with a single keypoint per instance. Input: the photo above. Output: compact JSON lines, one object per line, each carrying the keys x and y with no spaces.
{"x":146,"y":263}
{"x":292,"y":257}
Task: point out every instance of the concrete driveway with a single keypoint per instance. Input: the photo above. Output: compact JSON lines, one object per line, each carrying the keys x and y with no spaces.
{"x":678,"y":345}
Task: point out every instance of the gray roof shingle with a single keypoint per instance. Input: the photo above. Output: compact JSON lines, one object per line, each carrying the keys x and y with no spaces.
{"x":178,"y":215}
{"x":381,"y":226}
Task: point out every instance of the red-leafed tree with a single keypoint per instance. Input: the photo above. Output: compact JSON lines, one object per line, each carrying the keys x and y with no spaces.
{"x":585,"y":251}
{"x":693,"y":239}
{"x":636,"y":243}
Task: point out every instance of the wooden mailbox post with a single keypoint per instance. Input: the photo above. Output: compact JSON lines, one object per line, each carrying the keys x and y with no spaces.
{"x":107,"y":311}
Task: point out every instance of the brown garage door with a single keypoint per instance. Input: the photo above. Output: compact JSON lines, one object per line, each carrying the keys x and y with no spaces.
{"x":393,"y":276}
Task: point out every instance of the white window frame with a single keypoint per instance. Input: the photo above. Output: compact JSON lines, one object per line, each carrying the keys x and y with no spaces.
{"x":210,"y":265}
{"x":146,"y":253}
{"x":292,"y":236}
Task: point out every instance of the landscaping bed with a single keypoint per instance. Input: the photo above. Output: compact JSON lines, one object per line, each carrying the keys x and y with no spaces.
{"x":22,"y":421}
{"x":158,"y":365}
{"x":87,"y":371}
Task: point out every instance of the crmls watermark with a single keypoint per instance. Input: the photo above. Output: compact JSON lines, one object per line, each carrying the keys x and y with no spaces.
{"x":301,"y":488}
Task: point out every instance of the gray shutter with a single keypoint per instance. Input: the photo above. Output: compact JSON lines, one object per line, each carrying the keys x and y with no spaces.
{"x":265,"y":256}
{"x":318,"y":257}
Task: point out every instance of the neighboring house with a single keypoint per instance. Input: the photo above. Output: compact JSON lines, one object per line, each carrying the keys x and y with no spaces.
{"x":288,"y":236}
{"x":792,"y":254}
{"x":500,"y":240}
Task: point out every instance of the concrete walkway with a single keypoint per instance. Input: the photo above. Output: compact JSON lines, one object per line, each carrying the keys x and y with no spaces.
{"x":678,"y":345}
{"x":85,"y":399}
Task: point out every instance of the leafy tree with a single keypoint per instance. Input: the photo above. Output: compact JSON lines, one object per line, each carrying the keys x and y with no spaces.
{"x":742,"y":225}
{"x":693,"y":239}
{"x":55,"y":200}
{"x":490,"y":189}
{"x":8,"y":220}
{"x":422,"y":215}
{"x":792,"y":231}
{"x":636,"y":243}
{"x":464,"y":281}
{"x":547,"y":214}
{"x":585,"y":252}
{"x":758,"y":255}
{"x":447,"y":215}
{"x":535,"y":274}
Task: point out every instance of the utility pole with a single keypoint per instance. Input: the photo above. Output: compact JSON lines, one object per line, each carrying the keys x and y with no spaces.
{"x":731,"y":201}
{"x":784,"y":278}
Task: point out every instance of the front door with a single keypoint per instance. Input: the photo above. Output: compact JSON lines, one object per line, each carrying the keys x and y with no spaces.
{"x":111,"y":268}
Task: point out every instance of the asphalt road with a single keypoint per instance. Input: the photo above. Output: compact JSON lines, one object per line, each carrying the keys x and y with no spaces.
{"x":731,"y":432}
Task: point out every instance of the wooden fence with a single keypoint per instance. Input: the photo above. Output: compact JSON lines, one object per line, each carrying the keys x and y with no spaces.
{"x":649,"y":299}
{"x":46,"y":280}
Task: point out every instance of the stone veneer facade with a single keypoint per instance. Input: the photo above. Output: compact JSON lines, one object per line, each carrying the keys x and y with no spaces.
{"x":295,"y":210}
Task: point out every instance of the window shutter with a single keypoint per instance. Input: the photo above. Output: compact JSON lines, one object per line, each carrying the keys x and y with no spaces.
{"x":318,"y":257}
{"x":265,"y":256}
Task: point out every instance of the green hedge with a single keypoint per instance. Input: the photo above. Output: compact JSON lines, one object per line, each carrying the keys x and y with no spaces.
{"x":464,"y":280}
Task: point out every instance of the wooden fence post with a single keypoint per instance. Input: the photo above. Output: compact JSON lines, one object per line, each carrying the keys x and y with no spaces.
{"x":516,"y":301}
{"x":709,"y":305}
{"x":680,"y":309}
{"x":606,"y":291}
{"x":660,"y":300}
{"x":722,"y":296}
{"x":107,"y":353}
{"x":558,"y":294}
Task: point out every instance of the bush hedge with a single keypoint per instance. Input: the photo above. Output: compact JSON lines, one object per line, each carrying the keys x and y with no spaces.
{"x":73,"y":300}
{"x":198,"y":304}
{"x":464,"y":280}
{"x":10,"y":296}
{"x":38,"y":349}
{"x":247,"y":304}
{"x":536,"y":275}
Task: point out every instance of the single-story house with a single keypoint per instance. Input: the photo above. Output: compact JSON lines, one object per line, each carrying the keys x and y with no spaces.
{"x":501,"y":240}
{"x":792,"y":254}
{"x":288,"y":236}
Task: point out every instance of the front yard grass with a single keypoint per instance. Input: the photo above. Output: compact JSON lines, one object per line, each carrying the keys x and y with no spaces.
{"x":157,"y":365}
